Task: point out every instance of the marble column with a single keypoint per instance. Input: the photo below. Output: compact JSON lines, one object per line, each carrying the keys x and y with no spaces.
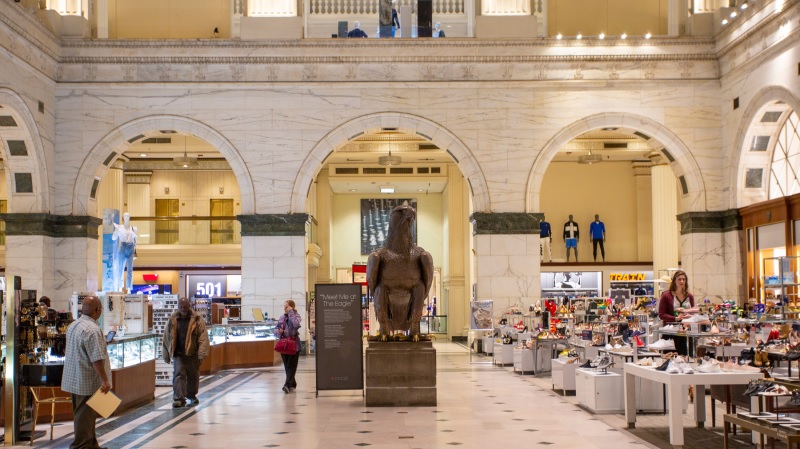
{"x":644,"y":211}
{"x":665,"y":227}
{"x":507,"y":259}
{"x":274,"y":265}
{"x":711,"y":246}
{"x":456,"y":294}
{"x":53,"y":254}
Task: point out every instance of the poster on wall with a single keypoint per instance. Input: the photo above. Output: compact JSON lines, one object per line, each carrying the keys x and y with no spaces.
{"x":337,"y":310}
{"x":480,"y":315}
{"x":375,"y":221}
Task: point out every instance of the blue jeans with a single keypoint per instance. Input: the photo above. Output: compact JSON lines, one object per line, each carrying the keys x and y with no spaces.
{"x":123,"y":259}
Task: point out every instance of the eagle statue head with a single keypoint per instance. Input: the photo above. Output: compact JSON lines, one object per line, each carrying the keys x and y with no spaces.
{"x":401,"y":221}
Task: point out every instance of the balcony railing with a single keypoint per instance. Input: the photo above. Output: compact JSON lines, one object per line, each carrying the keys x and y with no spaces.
{"x":187,"y":230}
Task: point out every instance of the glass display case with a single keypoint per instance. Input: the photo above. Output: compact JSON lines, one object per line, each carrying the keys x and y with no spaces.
{"x":241,"y":331}
{"x":780,"y":279}
{"x":131,"y":350}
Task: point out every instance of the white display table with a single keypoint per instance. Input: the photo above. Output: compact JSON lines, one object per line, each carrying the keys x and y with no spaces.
{"x":523,"y":360}
{"x":503,"y":354}
{"x":488,"y":344}
{"x":675,"y":386}
{"x":563,"y":375}
{"x":597,"y":391}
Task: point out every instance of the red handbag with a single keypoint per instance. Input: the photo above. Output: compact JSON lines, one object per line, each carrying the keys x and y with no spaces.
{"x":286,"y":345}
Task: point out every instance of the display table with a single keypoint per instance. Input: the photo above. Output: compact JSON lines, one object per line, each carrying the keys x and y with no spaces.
{"x":523,"y":360}
{"x":599,"y":392}
{"x":488,"y":344}
{"x":675,"y":384}
{"x":503,"y":354}
{"x":563,"y":375}
{"x":761,"y":429}
{"x":546,"y":349}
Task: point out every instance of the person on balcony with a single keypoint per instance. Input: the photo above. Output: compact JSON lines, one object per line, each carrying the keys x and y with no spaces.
{"x":357,"y":31}
{"x":437,"y":31}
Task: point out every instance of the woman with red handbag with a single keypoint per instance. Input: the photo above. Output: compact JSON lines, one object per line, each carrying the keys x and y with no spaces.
{"x":287,"y":329}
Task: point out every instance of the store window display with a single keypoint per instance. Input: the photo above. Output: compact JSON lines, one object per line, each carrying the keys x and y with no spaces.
{"x":571,"y":237}
{"x":597,"y":231}
{"x":124,"y":252}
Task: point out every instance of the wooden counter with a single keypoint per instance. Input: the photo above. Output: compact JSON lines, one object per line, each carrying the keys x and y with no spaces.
{"x":240,"y":354}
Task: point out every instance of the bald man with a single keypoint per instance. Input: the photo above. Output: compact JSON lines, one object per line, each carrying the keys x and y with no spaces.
{"x":86,"y":370}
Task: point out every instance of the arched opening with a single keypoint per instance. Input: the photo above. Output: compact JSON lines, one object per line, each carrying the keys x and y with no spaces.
{"x":768,"y":192}
{"x":367,"y":166}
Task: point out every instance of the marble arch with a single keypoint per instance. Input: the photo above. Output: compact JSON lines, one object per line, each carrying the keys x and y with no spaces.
{"x":34,"y":163}
{"x":742,"y":159}
{"x":406,"y":123}
{"x":684,"y":165}
{"x":117,"y":141}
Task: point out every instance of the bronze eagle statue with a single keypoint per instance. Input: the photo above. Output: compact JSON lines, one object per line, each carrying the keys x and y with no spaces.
{"x":399,"y":277}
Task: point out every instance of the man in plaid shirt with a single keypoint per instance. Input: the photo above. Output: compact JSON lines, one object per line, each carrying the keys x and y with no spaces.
{"x":86,"y":369}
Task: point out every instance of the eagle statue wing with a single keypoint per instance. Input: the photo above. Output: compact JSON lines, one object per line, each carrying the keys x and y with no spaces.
{"x":373,"y":270}
{"x":426,"y":268}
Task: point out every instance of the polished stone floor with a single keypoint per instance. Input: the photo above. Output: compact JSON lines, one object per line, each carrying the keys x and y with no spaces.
{"x":479,"y":406}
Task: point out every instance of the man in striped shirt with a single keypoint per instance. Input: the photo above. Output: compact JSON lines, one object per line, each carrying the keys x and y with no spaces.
{"x":86,"y":370}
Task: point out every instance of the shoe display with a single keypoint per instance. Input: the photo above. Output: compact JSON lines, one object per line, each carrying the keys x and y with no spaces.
{"x":604,"y":362}
{"x":775,"y":390}
{"x":662,"y":345}
{"x":697,"y":318}
{"x":647,"y":361}
{"x":709,"y":366}
{"x":672,"y":368}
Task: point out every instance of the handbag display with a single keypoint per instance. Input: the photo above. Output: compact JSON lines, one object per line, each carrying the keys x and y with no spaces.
{"x":286,"y":345}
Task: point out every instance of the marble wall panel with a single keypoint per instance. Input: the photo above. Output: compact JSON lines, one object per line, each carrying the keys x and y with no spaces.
{"x":390,"y":99}
{"x":449,"y":97}
{"x":706,"y":117}
{"x":506,"y":98}
{"x":476,"y":119}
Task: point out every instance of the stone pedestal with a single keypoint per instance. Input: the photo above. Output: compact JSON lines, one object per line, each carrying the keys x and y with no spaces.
{"x":401,"y":374}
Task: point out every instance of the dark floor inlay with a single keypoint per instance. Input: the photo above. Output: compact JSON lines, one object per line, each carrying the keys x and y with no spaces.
{"x":179,"y":447}
{"x":288,"y":422}
{"x":531,"y":430}
{"x":402,"y":412}
{"x":545,"y":442}
{"x":454,"y":443}
{"x":367,"y":412}
{"x":500,"y":403}
{"x":405,"y":437}
{"x":519,"y":419}
{"x":363,"y":444}
{"x":196,"y":434}
{"x":296,"y":413}
{"x":366,"y":420}
{"x":443,"y":420}
{"x":612,"y":430}
{"x":364,"y":431}
{"x":271,"y":445}
{"x":446,"y":430}
{"x":281,"y":433}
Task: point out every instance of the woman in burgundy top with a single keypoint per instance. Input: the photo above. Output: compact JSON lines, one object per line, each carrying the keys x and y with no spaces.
{"x":675,"y":305}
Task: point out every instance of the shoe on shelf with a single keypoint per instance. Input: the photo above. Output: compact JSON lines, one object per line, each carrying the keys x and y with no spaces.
{"x":647,"y":361}
{"x":604,"y":362}
{"x":696,"y":318}
{"x":178,"y":403}
{"x":662,"y":345}
{"x":673,"y":368}
{"x":664,"y":366}
{"x":709,"y":366}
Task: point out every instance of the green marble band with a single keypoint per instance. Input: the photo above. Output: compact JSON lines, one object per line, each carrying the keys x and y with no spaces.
{"x":273,"y":225}
{"x":62,"y":226}
{"x":504,"y":223}
{"x":710,"y":222}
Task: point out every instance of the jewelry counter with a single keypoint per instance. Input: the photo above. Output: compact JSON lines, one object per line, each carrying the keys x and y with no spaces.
{"x":240,"y":344}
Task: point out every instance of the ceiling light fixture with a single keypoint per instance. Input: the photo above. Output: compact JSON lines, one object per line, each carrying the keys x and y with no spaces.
{"x":390,"y":160}
{"x":142,"y":155}
{"x":648,"y":36}
{"x":602,"y":35}
{"x":590,"y":158}
{"x":724,"y":21}
{"x":559,"y":36}
{"x":744,"y":6}
{"x":624,"y":36}
{"x":387,"y":189}
{"x":579,"y":36}
{"x":185,"y":161}
{"x":733,"y":14}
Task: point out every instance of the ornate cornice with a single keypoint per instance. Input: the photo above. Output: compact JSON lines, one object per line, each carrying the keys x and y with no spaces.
{"x":710,"y":222}
{"x":504,"y":223}
{"x":60,"y":226}
{"x":273,"y":225}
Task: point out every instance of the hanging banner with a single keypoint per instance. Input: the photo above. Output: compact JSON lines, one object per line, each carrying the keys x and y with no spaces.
{"x":338,"y":332}
{"x":480,"y":315}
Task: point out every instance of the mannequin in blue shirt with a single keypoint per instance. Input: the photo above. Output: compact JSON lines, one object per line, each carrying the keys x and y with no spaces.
{"x":545,"y":238}
{"x":597,"y":231}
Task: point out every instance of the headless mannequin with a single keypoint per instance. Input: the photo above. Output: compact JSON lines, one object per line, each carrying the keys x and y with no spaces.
{"x":571,"y":237}
{"x":597,"y":231}
{"x":125,"y":236}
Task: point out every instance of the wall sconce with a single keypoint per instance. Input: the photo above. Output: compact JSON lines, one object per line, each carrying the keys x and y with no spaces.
{"x":166,"y":190}
{"x":221,"y":190}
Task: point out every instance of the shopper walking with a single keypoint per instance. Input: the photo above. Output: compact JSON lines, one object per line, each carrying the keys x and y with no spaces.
{"x":289,"y":326}
{"x":86,"y":370}
{"x":186,"y":343}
